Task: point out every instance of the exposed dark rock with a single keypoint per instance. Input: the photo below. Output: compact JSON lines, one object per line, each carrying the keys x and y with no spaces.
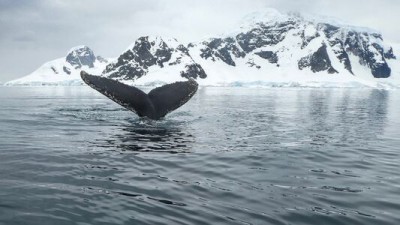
{"x":79,"y":57}
{"x":222,"y":49}
{"x":354,"y":44}
{"x":272,"y":57}
{"x":328,"y":29}
{"x":67,"y":70}
{"x":134,"y":62}
{"x":141,"y":52}
{"x":194,"y":71}
{"x":163,"y":54}
{"x":318,"y":61}
{"x":377,"y":63}
{"x":252,"y":64}
{"x":54,"y":70}
{"x":183,"y":49}
{"x":339,"y":50}
{"x":264,"y":35}
{"x":371,"y":55}
{"x":344,"y":58}
{"x":145,"y":53}
{"x":126,"y":67}
{"x":375,"y":35}
{"x":358,"y":44}
{"x":389,"y":54}
{"x":177,"y":61}
{"x":304,"y":62}
{"x":380,"y":70}
{"x":101,"y":59}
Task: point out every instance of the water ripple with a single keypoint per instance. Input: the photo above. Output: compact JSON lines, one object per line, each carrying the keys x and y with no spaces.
{"x":230,"y":156}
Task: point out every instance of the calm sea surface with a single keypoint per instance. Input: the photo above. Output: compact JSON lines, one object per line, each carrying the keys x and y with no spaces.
{"x":68,"y":155}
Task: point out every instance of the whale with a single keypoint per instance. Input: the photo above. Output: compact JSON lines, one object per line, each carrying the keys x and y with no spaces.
{"x":155,"y":105}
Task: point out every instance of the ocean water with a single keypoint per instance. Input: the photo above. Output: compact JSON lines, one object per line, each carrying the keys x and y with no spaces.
{"x":68,"y":155}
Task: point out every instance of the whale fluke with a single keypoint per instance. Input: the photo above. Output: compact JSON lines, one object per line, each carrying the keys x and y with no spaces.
{"x":154,"y":105}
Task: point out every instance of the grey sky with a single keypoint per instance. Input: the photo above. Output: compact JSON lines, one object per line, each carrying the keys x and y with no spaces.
{"x":36,"y":31}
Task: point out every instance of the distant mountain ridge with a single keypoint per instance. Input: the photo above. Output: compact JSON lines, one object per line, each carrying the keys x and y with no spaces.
{"x":64,"y":71}
{"x":269,"y":47}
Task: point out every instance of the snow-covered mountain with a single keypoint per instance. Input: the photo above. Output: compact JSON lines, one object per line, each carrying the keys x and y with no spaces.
{"x":268,"y":48}
{"x":64,"y":71}
{"x":152,"y":60}
{"x":271,"y":46}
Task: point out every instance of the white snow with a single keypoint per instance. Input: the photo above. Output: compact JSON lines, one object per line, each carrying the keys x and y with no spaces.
{"x":52,"y":73}
{"x":73,"y":49}
{"x":310,"y":31}
{"x":268,"y":15}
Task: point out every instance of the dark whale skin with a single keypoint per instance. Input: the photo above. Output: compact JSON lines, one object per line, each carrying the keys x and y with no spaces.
{"x":154,"y":105}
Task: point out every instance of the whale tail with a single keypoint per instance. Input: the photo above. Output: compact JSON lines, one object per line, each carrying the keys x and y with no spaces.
{"x":154,"y":105}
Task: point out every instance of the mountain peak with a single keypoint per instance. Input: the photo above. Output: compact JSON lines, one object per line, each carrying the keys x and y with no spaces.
{"x":154,"y":41}
{"x":81,"y":56}
{"x":79,"y":48}
{"x":268,"y":15}
{"x":149,"y":54}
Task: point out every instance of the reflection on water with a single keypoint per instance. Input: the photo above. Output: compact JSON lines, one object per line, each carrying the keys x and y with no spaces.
{"x":362,"y":117}
{"x":245,"y":156}
{"x":143,"y":135}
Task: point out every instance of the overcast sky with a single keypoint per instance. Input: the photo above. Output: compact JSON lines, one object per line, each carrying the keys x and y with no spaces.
{"x":35,"y":31}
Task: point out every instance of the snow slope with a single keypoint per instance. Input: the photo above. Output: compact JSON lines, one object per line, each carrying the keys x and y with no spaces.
{"x":64,"y":71}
